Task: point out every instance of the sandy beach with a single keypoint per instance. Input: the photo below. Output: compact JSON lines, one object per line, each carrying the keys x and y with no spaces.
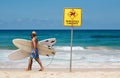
{"x":62,"y":73}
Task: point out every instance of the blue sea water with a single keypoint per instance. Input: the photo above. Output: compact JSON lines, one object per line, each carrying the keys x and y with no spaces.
{"x":84,"y":38}
{"x":94,"y":48}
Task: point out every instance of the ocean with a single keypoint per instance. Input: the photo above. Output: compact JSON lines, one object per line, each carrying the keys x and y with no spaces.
{"x":91,"y":48}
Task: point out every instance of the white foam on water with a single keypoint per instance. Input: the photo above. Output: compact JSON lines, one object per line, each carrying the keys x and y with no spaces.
{"x":67,"y":48}
{"x":82,"y":57}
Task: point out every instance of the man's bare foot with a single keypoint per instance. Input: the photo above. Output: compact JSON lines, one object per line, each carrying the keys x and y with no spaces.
{"x":41,"y":69}
{"x":28,"y":69}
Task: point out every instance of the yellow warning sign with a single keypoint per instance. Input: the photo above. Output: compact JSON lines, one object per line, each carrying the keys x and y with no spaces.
{"x":72,"y":17}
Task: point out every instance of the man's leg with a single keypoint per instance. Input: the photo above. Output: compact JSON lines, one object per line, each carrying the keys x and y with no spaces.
{"x":30,"y":63}
{"x":40,"y":63}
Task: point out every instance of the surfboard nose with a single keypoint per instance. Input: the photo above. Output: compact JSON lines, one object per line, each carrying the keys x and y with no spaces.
{"x":14,"y":41}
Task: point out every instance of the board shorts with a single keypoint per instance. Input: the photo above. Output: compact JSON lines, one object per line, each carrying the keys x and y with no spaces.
{"x":34,"y":55}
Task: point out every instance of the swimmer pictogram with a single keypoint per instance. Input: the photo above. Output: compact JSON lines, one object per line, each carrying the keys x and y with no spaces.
{"x":72,"y":14}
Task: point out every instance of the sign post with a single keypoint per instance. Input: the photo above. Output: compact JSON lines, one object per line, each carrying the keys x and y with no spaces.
{"x":72,"y":17}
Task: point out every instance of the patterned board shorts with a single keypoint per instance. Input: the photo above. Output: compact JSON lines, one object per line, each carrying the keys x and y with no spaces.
{"x":34,"y":55}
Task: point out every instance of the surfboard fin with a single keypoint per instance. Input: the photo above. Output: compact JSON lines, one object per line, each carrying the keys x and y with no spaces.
{"x":53,"y":53}
{"x":47,"y":55}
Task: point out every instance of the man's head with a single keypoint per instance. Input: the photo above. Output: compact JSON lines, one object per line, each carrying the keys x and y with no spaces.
{"x":33,"y":33}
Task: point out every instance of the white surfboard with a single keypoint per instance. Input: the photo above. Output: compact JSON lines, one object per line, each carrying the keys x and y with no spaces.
{"x":25,"y":47}
{"x":18,"y":55}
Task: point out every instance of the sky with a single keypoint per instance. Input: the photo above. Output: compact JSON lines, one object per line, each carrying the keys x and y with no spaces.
{"x":48,"y":14}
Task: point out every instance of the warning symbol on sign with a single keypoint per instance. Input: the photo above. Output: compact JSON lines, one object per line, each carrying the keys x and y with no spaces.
{"x":72,"y":17}
{"x":72,"y":14}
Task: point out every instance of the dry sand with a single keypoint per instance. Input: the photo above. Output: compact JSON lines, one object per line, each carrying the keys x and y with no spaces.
{"x":54,"y":73}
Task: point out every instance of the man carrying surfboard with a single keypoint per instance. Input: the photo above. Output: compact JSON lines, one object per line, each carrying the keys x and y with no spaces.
{"x":34,"y":53}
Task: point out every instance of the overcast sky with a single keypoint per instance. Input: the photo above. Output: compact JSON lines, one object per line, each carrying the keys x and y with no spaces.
{"x":48,"y":14}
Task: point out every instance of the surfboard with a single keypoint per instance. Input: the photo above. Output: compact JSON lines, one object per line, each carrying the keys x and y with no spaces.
{"x":25,"y":45}
{"x":18,"y":55}
{"x":44,"y":46}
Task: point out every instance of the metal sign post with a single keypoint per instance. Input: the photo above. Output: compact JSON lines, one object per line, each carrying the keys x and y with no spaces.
{"x":72,"y":17}
{"x":71,"y":48}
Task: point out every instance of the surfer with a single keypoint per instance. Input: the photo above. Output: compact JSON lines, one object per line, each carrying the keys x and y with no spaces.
{"x":34,"y":54}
